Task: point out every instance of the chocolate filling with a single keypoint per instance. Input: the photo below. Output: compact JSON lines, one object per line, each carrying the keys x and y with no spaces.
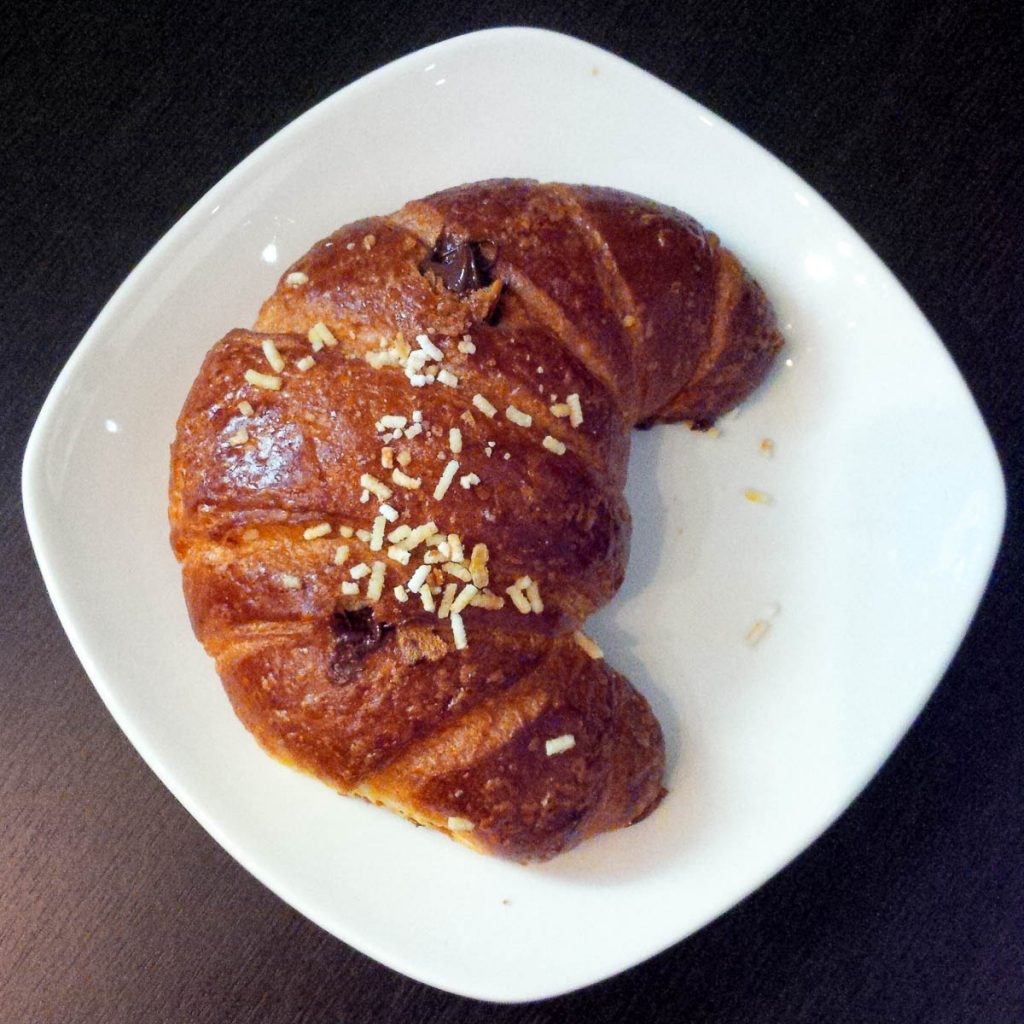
{"x":463,"y":266}
{"x":356,"y":635}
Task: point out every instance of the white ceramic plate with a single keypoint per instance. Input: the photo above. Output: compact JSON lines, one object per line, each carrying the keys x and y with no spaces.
{"x":888,"y":506}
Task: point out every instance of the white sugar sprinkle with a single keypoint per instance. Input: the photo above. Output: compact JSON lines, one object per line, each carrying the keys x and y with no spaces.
{"x":410,"y":483}
{"x":559,"y":745}
{"x":455,"y":547}
{"x":518,"y":417}
{"x":575,"y":410}
{"x":446,"y":601}
{"x":321,"y":331}
{"x":468,"y":592}
{"x":484,"y":406}
{"x":400,"y":555}
{"x":429,"y":347}
{"x":377,"y":536}
{"x":446,"y":480}
{"x":273,"y":356}
{"x":375,"y":487}
{"x":375,"y":587}
{"x":461,"y":643}
{"x":418,"y":578}
{"x":399,"y":533}
{"x":263,"y":380}
{"x":418,"y":536}
{"x":588,"y":645}
{"x":460,"y":572}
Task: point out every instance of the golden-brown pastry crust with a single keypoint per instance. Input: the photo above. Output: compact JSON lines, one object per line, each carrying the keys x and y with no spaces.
{"x":581,"y":291}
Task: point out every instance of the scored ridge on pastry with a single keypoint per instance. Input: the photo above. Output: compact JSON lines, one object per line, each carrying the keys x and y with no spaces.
{"x":397,"y":500}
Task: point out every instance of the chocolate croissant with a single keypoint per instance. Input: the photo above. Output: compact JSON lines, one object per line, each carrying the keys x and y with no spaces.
{"x":397,"y":500}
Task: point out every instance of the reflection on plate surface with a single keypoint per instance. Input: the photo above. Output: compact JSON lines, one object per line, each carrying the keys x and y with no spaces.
{"x":887,"y":509}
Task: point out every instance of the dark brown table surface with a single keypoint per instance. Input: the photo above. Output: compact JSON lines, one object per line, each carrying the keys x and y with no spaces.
{"x":116,"y":905}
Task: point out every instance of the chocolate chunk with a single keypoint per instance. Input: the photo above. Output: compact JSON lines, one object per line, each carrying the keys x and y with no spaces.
{"x":356,"y":635}
{"x":461,"y":265}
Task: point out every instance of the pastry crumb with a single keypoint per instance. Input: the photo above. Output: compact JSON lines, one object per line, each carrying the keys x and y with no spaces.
{"x":761,"y":625}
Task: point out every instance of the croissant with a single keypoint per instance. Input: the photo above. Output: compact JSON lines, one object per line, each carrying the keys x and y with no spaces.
{"x":397,"y":500}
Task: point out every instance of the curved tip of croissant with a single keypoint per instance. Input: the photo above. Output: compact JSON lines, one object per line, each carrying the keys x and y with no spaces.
{"x":651,"y":807}
{"x":745,"y":339}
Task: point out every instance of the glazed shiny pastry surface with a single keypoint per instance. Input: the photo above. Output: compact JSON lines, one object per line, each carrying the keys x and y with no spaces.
{"x":398,"y":497}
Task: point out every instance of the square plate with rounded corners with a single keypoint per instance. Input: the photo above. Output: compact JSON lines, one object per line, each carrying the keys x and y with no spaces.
{"x":887,"y":509}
